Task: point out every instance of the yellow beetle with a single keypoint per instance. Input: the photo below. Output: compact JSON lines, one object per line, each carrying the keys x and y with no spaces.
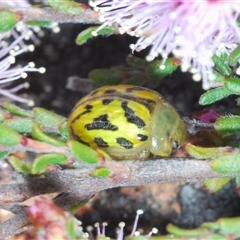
{"x":127,"y":122}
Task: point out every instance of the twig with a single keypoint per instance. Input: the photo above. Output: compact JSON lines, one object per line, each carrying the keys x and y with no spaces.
{"x":47,"y":14}
{"x":16,"y":224}
{"x":125,"y":173}
{"x":78,"y":184}
{"x":193,"y":125}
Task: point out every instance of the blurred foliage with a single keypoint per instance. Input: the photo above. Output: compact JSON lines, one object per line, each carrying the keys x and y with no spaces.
{"x":88,"y":33}
{"x":137,"y":72}
{"x":67,"y":6}
{"x":8,"y":20}
{"x":46,"y":217}
{"x":226,"y":67}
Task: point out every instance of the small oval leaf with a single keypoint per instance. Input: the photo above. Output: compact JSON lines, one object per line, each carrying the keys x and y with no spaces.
{"x":213,"y":95}
{"x":227,"y":163}
{"x":228,"y":125}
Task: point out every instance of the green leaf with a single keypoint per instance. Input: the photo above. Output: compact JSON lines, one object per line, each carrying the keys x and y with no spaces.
{"x":8,"y":20}
{"x":4,"y":154}
{"x":101,"y":172}
{"x":224,"y":225}
{"x":90,"y":32}
{"x":228,"y":125}
{"x":216,"y":184}
{"x":21,"y":125}
{"x":41,"y":163}
{"x":8,"y":136}
{"x":156,"y":70}
{"x":218,"y":77}
{"x":39,"y":23}
{"x":233,"y":85}
{"x":67,"y":6}
{"x":71,"y":228}
{"x":205,"y":153}
{"x":63,"y":130}
{"x":137,"y":63}
{"x":190,"y":233}
{"x":213,"y":95}
{"x":83,"y":152}
{"x":221,"y":62}
{"x":234,"y":57}
{"x":48,"y":118}
{"x":78,"y":205}
{"x":106,"y":76}
{"x":17,"y":110}
{"x":135,"y":80}
{"x":19,"y":165}
{"x":38,"y":134}
{"x":227,"y":163}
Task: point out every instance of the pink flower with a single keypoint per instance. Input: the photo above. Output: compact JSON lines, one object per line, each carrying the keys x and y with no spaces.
{"x":10,"y":72}
{"x":190,"y":30}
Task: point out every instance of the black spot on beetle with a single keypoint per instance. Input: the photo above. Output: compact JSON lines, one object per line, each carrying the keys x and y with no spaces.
{"x":124,"y":143}
{"x":88,"y":109}
{"x":110,"y":90}
{"x":76,"y":137}
{"x":101,"y":122}
{"x":148,"y":103}
{"x":106,"y":101}
{"x":100,"y":142}
{"x":131,"y":116}
{"x":142,"y":137}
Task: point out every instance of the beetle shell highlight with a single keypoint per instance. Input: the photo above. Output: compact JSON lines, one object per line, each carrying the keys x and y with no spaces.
{"x":127,"y":122}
